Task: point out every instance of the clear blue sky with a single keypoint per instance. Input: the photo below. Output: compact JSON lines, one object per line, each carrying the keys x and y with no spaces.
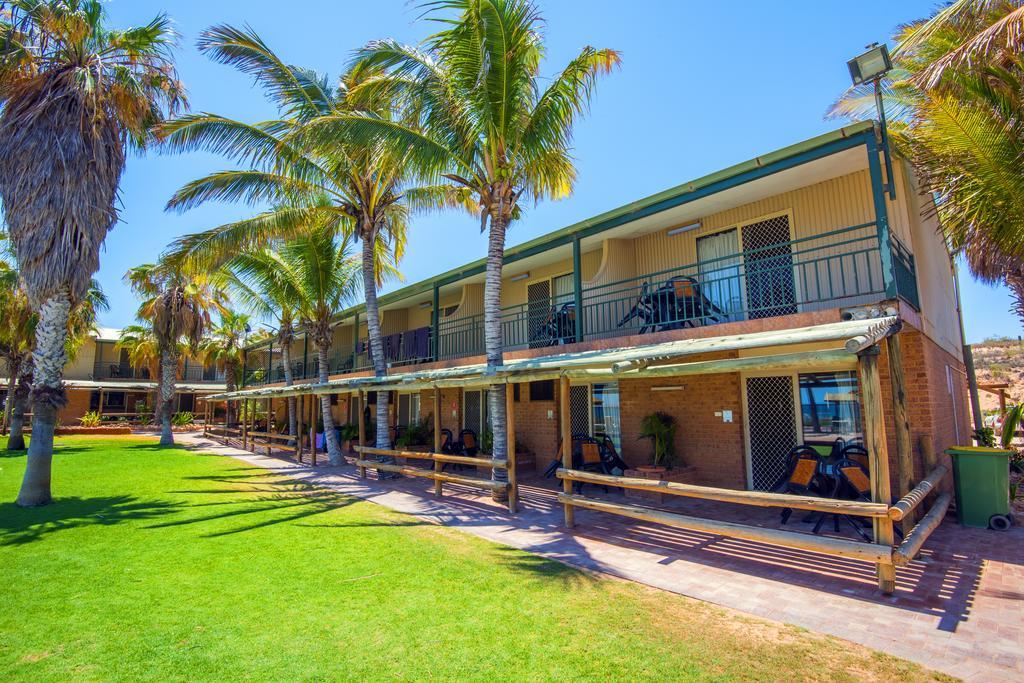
{"x":702,"y":86}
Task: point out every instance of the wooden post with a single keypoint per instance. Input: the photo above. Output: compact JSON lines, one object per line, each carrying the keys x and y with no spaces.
{"x":1002,"y":402}
{"x":313,"y":400}
{"x":904,"y":453}
{"x":510,"y":420}
{"x":563,"y":416}
{"x":438,"y":465}
{"x":245,"y":424}
{"x":878,"y":455}
{"x":362,"y":432}
{"x":300,"y":417}
{"x":206,"y":417}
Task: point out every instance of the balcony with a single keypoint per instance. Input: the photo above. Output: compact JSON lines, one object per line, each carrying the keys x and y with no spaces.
{"x":841,"y":268}
{"x":107,"y":370}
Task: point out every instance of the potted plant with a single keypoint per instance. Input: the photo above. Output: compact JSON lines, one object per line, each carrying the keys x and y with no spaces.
{"x":349,"y":435}
{"x":660,"y":428}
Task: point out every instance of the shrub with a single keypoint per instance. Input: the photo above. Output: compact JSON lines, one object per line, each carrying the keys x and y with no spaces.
{"x":348,"y":432}
{"x":660,"y":428}
{"x":183,"y":418}
{"x":91,"y":419}
{"x":417,"y":434}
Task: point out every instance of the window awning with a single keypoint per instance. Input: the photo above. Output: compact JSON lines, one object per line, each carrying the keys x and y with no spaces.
{"x":663,"y":359}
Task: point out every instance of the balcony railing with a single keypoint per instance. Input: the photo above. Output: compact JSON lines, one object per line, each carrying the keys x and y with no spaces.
{"x":842,"y":267}
{"x":124,"y":371}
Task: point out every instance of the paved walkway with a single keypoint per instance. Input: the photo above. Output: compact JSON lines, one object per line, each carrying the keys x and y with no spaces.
{"x":958,"y":609}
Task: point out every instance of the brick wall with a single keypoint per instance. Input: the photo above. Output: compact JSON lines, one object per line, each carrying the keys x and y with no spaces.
{"x":77,"y":406}
{"x":703,"y":440}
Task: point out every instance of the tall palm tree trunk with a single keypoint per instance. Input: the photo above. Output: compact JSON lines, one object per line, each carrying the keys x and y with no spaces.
{"x":493,"y":343}
{"x":168,"y":375}
{"x":13,"y":370}
{"x":231,"y":385}
{"x":380,"y":366}
{"x":16,"y":440}
{"x":289,"y":380}
{"x":48,"y":396}
{"x":334,"y":456}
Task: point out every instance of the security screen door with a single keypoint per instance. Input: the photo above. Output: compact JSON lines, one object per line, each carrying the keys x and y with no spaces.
{"x":771,"y":424}
{"x":768,"y":260}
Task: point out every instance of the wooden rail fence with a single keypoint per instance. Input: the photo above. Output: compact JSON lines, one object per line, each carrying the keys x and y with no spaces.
{"x":437,"y":474}
{"x":877,"y":553}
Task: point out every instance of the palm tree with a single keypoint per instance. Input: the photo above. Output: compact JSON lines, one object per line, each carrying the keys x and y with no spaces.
{"x":18,"y":337}
{"x":223,"y":346}
{"x":320,"y":276}
{"x":178,"y":306}
{"x":140,"y":342}
{"x":957,"y":99}
{"x":255,"y":280}
{"x":17,"y":333}
{"x":317,"y":177}
{"x":484,"y":120}
{"x":75,"y":95}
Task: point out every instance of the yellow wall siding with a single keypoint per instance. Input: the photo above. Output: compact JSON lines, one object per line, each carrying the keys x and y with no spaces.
{"x":82,"y":366}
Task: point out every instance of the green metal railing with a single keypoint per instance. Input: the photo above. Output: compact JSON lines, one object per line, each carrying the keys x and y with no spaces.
{"x":841,"y":267}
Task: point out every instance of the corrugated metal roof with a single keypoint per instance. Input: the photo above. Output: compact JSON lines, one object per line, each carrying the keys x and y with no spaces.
{"x":854,"y":334}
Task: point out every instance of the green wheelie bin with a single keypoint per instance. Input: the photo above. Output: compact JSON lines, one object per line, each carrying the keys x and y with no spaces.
{"x":981,"y":478}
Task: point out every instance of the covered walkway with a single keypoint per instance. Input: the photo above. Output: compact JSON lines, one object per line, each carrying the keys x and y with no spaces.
{"x":956,"y":608}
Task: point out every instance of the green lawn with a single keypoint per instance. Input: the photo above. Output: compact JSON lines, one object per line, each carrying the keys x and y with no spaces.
{"x":169,"y":565}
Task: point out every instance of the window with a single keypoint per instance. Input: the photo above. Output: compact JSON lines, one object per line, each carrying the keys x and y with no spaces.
{"x":829,"y":407}
{"x":408,"y":409}
{"x":594,"y":411}
{"x":543,"y":390}
{"x":113,"y":400}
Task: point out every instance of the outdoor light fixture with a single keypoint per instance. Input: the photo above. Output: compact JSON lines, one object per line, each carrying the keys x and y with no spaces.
{"x":521,"y":276}
{"x":871,"y":66}
{"x":674,"y":387}
{"x":684,"y":228}
{"x":425,"y":304}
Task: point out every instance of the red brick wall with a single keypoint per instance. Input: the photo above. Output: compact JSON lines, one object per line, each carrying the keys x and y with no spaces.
{"x":703,"y":440}
{"x":934,"y":413}
{"x":534,"y":429}
{"x":77,"y":406}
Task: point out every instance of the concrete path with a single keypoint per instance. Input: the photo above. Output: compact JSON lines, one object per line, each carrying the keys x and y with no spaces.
{"x":959,"y":609}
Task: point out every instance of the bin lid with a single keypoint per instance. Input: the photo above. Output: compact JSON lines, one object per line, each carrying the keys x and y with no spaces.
{"x":977,"y":450}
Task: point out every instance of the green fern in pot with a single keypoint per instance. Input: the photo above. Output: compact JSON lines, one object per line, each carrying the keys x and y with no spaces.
{"x":660,"y":428}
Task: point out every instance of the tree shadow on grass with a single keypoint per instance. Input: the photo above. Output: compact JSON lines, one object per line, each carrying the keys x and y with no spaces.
{"x":19,"y":526}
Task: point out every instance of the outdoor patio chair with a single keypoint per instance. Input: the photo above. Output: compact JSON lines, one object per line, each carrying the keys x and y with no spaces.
{"x":675,"y":304}
{"x":801,"y":477}
{"x":470,"y":447}
{"x":857,"y":453}
{"x":852,"y":482}
{"x":586,"y":457}
{"x":558,"y":328}
{"x":446,"y":441}
{"x":611,"y":456}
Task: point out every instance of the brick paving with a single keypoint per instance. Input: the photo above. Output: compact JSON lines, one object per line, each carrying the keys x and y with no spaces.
{"x":958,"y":608}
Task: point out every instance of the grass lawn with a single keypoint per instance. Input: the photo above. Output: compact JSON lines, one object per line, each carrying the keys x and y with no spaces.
{"x":170,"y":565}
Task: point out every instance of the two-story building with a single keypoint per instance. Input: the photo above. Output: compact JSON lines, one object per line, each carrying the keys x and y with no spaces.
{"x":801,"y":237}
{"x":767,"y":305}
{"x":101,"y":379}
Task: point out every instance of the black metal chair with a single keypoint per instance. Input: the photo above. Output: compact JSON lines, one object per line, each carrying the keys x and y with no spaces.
{"x":558,"y":328}
{"x":802,"y":476}
{"x":675,"y":304}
